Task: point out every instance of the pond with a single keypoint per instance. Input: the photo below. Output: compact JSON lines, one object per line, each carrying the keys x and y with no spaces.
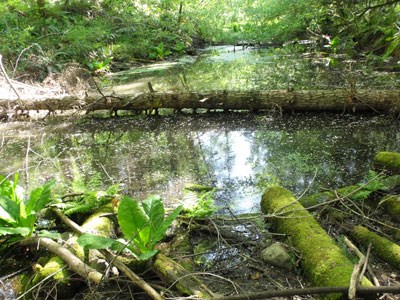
{"x":239,"y":153}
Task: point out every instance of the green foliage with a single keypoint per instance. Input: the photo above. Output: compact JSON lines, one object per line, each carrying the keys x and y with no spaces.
{"x":17,"y":215}
{"x":72,"y":30}
{"x":159,"y":52}
{"x":86,"y":195}
{"x":373,"y":183}
{"x":143,"y":225}
{"x":197,"y":202}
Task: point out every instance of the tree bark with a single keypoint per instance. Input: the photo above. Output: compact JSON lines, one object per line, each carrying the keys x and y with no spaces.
{"x":382,"y":101}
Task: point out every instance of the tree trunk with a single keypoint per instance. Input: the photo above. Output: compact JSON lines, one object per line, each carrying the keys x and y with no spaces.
{"x":383,"y":101}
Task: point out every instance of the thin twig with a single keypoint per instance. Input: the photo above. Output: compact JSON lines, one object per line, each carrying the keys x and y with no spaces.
{"x":7,"y":78}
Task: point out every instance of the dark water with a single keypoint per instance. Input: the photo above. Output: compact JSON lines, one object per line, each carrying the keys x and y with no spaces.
{"x":240,"y":153}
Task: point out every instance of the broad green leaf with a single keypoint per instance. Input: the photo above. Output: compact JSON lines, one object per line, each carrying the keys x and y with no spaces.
{"x":9,"y":210}
{"x":39,"y":198}
{"x":49,"y":234}
{"x":161,"y":230}
{"x":91,"y":241}
{"x":24,"y":231}
{"x":154,"y":208}
{"x":6,"y":188}
{"x":147,"y":255}
{"x":28,"y":221}
{"x":131,"y":218}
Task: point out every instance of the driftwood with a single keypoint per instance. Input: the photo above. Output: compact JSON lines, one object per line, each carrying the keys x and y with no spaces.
{"x":383,"y":101}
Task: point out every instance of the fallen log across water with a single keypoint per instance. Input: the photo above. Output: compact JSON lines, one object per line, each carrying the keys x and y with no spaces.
{"x":341,"y":100}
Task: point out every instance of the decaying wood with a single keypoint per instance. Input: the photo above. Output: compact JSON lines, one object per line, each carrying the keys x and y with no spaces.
{"x":384,"y":101}
{"x":73,"y":262}
{"x":112,"y":259}
{"x":174,"y":274}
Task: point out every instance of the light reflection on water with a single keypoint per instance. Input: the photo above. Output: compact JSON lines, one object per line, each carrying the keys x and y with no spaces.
{"x":242,"y":154}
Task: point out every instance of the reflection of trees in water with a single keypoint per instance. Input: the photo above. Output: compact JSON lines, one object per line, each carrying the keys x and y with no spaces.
{"x":336,"y":157}
{"x":234,"y":152}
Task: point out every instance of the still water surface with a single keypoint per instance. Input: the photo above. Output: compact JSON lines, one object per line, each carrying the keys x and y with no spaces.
{"x":240,"y":153}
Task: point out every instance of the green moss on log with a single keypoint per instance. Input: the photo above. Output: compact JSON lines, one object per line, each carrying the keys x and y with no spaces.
{"x":316,"y":199}
{"x":324,"y":263}
{"x":381,"y":247}
{"x":388,"y":161}
{"x":173,"y":273}
{"x":55,"y":267}
{"x":391,"y":204}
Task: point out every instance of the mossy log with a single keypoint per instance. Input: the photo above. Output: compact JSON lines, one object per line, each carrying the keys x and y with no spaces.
{"x":324,"y":263}
{"x":384,"y":101}
{"x":387,"y":183}
{"x":391,"y":204}
{"x":173,"y":273}
{"x":388,"y":161}
{"x":381,"y":247}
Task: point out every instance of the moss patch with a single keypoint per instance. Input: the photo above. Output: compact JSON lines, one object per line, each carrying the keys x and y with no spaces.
{"x":391,"y":204}
{"x":381,"y":247}
{"x":324,"y":263}
{"x":388,"y":161}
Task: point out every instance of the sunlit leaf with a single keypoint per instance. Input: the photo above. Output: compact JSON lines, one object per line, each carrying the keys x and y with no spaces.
{"x":23,"y":231}
{"x":91,"y":241}
{"x":131,"y":217}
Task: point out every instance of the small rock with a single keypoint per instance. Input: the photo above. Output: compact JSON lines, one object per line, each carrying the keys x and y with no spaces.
{"x":277,"y":255}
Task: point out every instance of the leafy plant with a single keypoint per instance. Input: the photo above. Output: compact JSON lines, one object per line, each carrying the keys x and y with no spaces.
{"x":180,"y":47}
{"x":86,"y":195}
{"x":18,"y":216}
{"x":99,"y":65}
{"x":159,"y":52}
{"x":199,"y":203}
{"x":374,"y":183}
{"x":142,"y":225}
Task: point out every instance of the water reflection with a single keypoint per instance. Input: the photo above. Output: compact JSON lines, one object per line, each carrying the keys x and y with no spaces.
{"x":241,"y":154}
{"x":221,"y":68}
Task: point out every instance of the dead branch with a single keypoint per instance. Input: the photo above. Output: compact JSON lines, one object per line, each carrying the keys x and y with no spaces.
{"x":112,"y":259}
{"x":73,"y":262}
{"x":7,"y":78}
